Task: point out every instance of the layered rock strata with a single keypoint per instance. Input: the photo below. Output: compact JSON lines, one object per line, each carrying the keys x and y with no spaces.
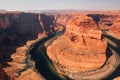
{"x":81,"y":49}
{"x":17,"y":29}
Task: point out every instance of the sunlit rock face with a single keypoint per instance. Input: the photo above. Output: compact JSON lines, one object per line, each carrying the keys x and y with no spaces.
{"x":81,"y":48}
{"x":104,"y":20}
{"x":115,"y":28}
{"x":63,"y":18}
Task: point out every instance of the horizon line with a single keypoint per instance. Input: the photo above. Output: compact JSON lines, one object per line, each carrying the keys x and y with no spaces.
{"x":64,"y":10}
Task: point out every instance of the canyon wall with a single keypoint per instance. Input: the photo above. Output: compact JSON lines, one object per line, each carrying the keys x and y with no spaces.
{"x":104,"y":21}
{"x":17,"y":29}
{"x":3,"y":75}
{"x":82,"y":48}
{"x":81,"y":45}
{"x":115,"y":28}
{"x":20,"y":27}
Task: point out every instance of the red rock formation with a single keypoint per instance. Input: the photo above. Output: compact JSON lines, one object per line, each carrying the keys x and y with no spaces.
{"x":84,"y":48}
{"x":63,"y":18}
{"x":81,"y":48}
{"x":118,"y":78}
{"x":24,"y":26}
{"x":115,"y":28}
{"x":3,"y":75}
{"x":83,"y":25}
{"x":15,"y":30}
{"x":104,"y":21}
{"x":47,"y":23}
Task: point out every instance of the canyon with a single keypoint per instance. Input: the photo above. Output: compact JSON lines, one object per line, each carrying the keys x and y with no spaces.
{"x":84,"y":46}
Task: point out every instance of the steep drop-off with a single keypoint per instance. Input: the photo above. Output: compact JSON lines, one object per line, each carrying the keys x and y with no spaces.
{"x":17,"y":30}
{"x":82,"y":42}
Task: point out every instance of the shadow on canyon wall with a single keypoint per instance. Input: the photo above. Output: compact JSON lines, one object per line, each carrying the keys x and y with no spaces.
{"x":103,"y":20}
{"x":17,"y":28}
{"x":116,"y":73}
{"x":96,"y":17}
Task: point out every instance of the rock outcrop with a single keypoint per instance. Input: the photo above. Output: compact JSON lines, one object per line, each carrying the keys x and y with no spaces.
{"x":82,"y":48}
{"x":16,"y":29}
{"x":104,"y":21}
{"x":3,"y":75}
{"x":115,"y":28}
{"x":63,"y":18}
{"x":20,"y":27}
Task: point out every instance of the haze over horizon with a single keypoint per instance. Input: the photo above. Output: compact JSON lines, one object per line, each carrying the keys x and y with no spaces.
{"x":21,"y":5}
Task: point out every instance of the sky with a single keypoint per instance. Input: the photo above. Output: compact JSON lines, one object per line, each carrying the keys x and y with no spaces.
{"x":20,"y":5}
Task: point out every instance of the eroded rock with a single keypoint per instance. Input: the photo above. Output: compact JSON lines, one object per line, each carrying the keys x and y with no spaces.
{"x":82,"y":48}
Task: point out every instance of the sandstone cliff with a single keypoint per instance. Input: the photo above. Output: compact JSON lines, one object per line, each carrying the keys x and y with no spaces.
{"x":82,"y":42}
{"x":104,"y":21}
{"x":3,"y":75}
{"x":82,"y":46}
{"x":115,"y":28}
{"x":15,"y":30}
